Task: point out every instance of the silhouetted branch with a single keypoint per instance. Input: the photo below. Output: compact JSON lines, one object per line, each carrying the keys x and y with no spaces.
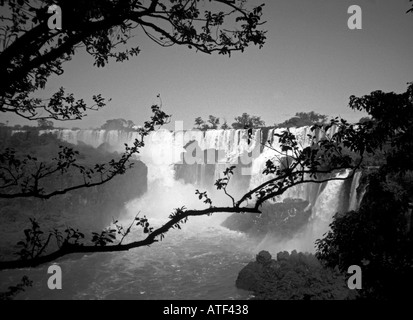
{"x":32,"y":52}
{"x":68,"y":248}
{"x":26,"y":179}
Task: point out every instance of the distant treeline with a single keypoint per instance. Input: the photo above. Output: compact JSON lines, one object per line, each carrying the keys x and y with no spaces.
{"x":244,"y":121}
{"x":247,"y":121}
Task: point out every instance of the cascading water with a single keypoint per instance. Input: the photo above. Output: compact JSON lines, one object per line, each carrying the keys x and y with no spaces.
{"x":202,"y":260}
{"x":165,"y":148}
{"x":355,"y":199}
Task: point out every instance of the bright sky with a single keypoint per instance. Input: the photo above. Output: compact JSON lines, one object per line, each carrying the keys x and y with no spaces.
{"x":311,"y":62}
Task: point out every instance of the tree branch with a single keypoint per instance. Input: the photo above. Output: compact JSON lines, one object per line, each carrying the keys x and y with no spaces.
{"x":67,"y":248}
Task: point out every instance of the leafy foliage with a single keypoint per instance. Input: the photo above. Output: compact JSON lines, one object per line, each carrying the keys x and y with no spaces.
{"x":26,"y":176}
{"x":33,"y":244}
{"x":199,"y":123}
{"x":302,"y":119}
{"x":203,"y":195}
{"x":294,"y":276}
{"x":143,"y":222}
{"x":211,"y":124}
{"x":118,"y":124}
{"x":246,"y":121}
{"x":104,"y":237}
{"x":72,"y":236}
{"x":222,"y":183}
{"x":225,"y":125}
{"x":14,"y":290}
{"x":391,"y":127}
{"x":378,"y":237}
{"x":177,"y":214}
{"x":32,"y":52}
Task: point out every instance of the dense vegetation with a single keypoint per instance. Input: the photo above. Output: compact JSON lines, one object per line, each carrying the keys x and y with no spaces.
{"x":302,"y":119}
{"x":247,"y":121}
{"x":379,"y":236}
{"x":119,"y":124}
{"x":294,"y":276}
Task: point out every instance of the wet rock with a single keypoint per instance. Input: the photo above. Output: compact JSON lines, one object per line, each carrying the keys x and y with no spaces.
{"x":294,"y":276}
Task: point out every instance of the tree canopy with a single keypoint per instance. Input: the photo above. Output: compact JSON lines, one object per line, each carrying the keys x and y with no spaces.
{"x":31,"y":52}
{"x":246,"y":121}
{"x":211,"y":124}
{"x":118,"y":124}
{"x":45,"y":124}
{"x":379,"y":236}
{"x":302,"y":119}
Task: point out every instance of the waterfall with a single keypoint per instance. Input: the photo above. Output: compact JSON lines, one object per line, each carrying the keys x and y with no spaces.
{"x":354,"y":197}
{"x":328,"y":201}
{"x":218,"y":149}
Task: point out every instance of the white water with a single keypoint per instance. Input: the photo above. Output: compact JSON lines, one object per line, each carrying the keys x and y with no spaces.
{"x":165,"y":148}
{"x":354,"y":198}
{"x":202,"y":260}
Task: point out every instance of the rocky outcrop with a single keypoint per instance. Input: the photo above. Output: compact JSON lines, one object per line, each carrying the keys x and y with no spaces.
{"x":280,"y":219}
{"x":294,"y":276}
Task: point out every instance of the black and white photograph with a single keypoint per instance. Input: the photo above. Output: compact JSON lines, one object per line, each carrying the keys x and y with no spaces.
{"x":206,"y":154}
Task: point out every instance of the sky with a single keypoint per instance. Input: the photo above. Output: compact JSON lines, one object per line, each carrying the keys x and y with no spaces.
{"x":311,"y":61}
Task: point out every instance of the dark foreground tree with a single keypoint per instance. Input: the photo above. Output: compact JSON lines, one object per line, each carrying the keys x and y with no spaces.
{"x":379,"y":236}
{"x":31,"y":51}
